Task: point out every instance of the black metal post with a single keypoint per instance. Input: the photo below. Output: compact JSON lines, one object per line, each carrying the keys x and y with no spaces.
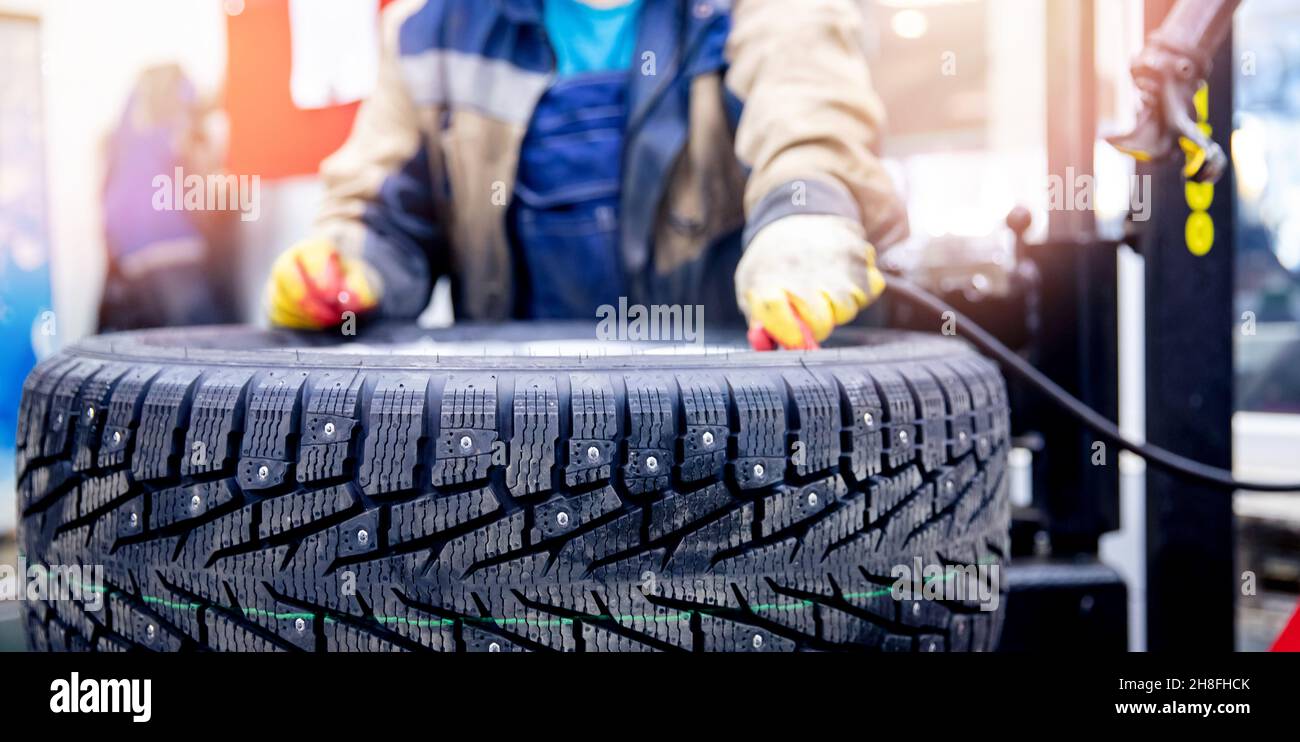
{"x":1189,"y":324}
{"x":1077,"y":328}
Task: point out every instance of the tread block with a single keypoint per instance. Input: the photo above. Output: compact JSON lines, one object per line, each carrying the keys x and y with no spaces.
{"x":529,"y":623}
{"x":468,"y":429}
{"x":887,"y":492}
{"x":225,"y":532}
{"x":262,"y":474}
{"x":836,"y":526}
{"x":952,"y":483}
{"x":728,"y":532}
{"x":777,"y":606}
{"x":650,"y":433}
{"x":161,"y":599}
{"x":759,"y":410}
{"x":65,"y":407}
{"x":96,"y":493}
{"x":34,"y":408}
{"x":678,"y":510}
{"x":432,"y":514}
{"x":969,"y":503}
{"x":359,"y":535}
{"x":725,"y":635}
{"x":478,"y":640}
{"x":95,"y":397}
{"x":982,"y":416}
{"x":431,"y":631}
{"x":43,"y":483}
{"x":142,"y":628}
{"x":329,"y":426}
{"x":841,"y":627}
{"x":290,"y":623}
{"x":863,"y":422}
{"x":933,"y":411}
{"x":225,"y":634}
{"x":600,"y":639}
{"x":704,"y":440}
{"x":270,"y":417}
{"x":124,"y":415}
{"x":132,"y":518}
{"x":871,"y":599}
{"x":162,"y":422}
{"x":496,"y":538}
{"x":560,"y":515}
{"x":900,"y":416}
{"x":615,"y":537}
{"x":815,"y":444}
{"x":396,"y":427}
{"x":629,"y":608}
{"x":594,"y":425}
{"x":957,"y":395}
{"x":789,"y":505}
{"x":341,"y":637}
{"x":301,"y":510}
{"x":536,"y":413}
{"x":216,"y":420}
{"x":181,"y":504}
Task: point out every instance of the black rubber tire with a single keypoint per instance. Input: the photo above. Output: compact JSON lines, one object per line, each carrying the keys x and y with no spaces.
{"x":244,"y":497}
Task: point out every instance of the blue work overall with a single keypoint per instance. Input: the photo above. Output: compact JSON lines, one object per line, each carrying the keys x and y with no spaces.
{"x":565,"y":212}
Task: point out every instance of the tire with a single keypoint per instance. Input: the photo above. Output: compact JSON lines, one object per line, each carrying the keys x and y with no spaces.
{"x":248,"y":490}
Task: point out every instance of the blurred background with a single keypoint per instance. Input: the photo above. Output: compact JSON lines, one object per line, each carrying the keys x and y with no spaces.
{"x":91,"y":91}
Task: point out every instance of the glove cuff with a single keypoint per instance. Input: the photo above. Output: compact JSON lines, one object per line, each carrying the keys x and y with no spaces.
{"x":803,"y":196}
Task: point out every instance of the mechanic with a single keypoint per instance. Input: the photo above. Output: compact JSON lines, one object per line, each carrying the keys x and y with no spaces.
{"x":552,"y":156}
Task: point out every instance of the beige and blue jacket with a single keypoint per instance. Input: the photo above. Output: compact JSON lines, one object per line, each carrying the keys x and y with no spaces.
{"x":740,"y":112}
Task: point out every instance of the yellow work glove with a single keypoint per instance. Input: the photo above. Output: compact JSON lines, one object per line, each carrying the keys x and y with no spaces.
{"x":312,"y":285}
{"x":811,"y":271}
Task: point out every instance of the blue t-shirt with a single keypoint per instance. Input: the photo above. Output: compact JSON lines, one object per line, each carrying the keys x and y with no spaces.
{"x":587,"y":39}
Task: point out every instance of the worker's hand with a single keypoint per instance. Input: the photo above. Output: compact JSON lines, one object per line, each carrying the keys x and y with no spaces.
{"x":813,"y":271}
{"x":312,"y":286}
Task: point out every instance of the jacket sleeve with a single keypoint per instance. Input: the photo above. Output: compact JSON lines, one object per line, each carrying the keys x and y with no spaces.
{"x":811,"y":122}
{"x":378,"y":202}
